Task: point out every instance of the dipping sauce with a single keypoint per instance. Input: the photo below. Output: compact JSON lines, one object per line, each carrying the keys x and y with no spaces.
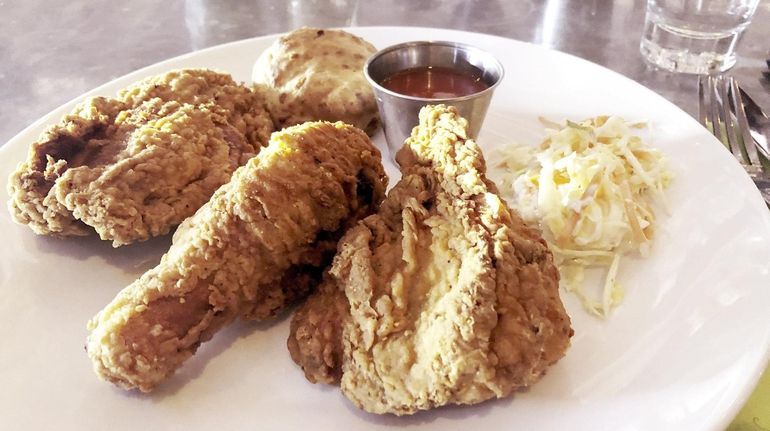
{"x":436,"y":82}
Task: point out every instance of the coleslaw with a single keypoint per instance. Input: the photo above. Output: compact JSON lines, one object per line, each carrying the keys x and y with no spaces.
{"x":591,"y":186}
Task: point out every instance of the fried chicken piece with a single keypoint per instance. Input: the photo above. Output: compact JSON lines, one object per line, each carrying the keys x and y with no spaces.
{"x":258,"y":245}
{"x":316,"y":328}
{"x":443,"y":297}
{"x":134,"y":166}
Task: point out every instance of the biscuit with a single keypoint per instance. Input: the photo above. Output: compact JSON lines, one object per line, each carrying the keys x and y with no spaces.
{"x":315,"y":74}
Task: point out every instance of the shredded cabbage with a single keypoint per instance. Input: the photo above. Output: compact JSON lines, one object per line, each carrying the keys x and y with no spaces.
{"x":591,"y":186}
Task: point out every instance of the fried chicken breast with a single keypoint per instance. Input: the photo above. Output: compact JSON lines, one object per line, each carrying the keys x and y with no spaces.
{"x":259,"y":244}
{"x":134,"y":166}
{"x":443,"y":297}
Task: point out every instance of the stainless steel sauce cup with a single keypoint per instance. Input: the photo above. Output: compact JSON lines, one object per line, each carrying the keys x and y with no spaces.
{"x":398,"y":112}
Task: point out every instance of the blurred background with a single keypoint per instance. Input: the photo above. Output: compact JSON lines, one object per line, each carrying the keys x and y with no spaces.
{"x":53,"y":52}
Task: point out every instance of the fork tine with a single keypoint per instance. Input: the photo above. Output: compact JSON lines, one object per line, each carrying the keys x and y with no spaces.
{"x":745,"y":141}
{"x":703,"y":105}
{"x":750,"y":105}
{"x":717,"y":110}
{"x":716,"y":96}
{"x":732,"y":129}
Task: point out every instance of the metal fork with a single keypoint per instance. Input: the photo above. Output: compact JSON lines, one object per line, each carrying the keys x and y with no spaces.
{"x":722,"y":112}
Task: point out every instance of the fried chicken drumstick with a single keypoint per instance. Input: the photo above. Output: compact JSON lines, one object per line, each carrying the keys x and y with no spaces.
{"x":260,"y":243}
{"x":443,"y":297}
{"x":134,"y":166}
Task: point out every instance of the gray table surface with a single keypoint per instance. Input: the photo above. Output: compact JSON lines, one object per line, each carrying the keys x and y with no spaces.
{"x":53,"y":51}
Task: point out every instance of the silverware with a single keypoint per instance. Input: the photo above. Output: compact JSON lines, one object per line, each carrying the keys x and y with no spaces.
{"x":759,"y":123}
{"x":723,"y":111}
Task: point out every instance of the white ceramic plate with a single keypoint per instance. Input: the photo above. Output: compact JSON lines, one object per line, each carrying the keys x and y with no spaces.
{"x":682,"y":352}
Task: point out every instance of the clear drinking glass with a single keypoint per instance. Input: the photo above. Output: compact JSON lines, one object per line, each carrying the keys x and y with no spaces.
{"x":694,"y":36}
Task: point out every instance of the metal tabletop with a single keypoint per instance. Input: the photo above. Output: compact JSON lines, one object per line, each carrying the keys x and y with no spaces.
{"x":54,"y":51}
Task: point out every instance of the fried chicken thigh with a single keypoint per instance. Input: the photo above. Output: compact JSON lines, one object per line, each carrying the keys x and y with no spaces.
{"x":134,"y":166}
{"x":443,"y":297}
{"x":260,"y":243}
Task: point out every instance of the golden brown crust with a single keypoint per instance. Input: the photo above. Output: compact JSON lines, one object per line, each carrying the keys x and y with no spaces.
{"x":449,"y":298}
{"x":259,"y":244}
{"x":316,"y":334}
{"x":134,"y":166}
{"x":317,"y":74}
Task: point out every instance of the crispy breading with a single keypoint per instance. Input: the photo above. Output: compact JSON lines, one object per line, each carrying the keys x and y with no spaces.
{"x":443,"y":297}
{"x":134,"y":166}
{"x":315,"y":342}
{"x":259,"y":244}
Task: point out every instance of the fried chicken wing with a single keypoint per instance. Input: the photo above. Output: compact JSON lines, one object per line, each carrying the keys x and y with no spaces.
{"x":316,"y":328}
{"x":443,"y":297}
{"x":260,"y":243}
{"x":134,"y":166}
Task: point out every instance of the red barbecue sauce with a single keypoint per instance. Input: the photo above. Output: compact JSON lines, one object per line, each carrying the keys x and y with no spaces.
{"x":435,"y":82}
